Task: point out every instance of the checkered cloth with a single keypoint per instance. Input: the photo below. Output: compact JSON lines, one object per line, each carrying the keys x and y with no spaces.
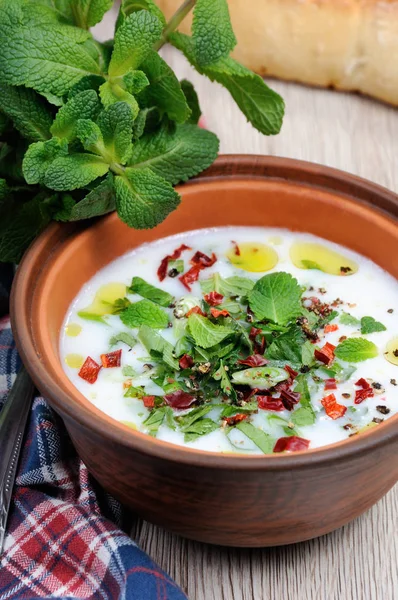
{"x":64,"y":538}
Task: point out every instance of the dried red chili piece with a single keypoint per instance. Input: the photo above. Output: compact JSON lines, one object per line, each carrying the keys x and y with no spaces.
{"x":214,"y":298}
{"x":330,"y":384}
{"x":293,"y":374}
{"x":332,"y":408}
{"x":186,"y":361}
{"x":325,"y":354}
{"x":330,"y":328}
{"x":112,"y":359}
{"x":254,"y":332}
{"x":291,"y":444}
{"x":190,"y":277}
{"x":361,"y":395}
{"x":149,"y":401}
{"x":289,"y":399}
{"x":255,"y":360}
{"x":195,"y":310}
{"x":179,"y":399}
{"x":269,"y":403}
{"x":89,"y":370}
{"x":235,"y":419}
{"x":202,"y":260}
{"x":218,"y":313}
{"x":363,"y":383}
{"x":236,"y":248}
{"x":162,"y":270}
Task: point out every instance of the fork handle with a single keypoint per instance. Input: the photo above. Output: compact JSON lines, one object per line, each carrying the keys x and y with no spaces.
{"x":13,"y":419}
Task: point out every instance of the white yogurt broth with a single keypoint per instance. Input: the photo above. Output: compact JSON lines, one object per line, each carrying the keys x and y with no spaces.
{"x":369,"y":292}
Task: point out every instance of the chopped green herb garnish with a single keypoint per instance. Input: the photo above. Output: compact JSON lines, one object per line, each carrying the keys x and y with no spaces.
{"x":146,"y":290}
{"x":347,"y":319}
{"x":205,"y":333}
{"x":124,"y":337}
{"x":276,"y":297}
{"x":144,"y":312}
{"x":370,"y":325}
{"x":128,"y":371}
{"x":356,"y":350}
{"x":261,"y":439}
{"x":261,"y":377}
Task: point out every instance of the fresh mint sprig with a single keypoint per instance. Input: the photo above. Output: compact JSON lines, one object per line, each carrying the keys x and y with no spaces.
{"x":87,"y":128}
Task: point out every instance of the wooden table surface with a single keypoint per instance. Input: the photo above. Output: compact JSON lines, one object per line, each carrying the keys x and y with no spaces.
{"x":359,"y":561}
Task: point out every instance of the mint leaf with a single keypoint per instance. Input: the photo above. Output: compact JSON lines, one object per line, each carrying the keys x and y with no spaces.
{"x":186,"y":421}
{"x":192,"y":100}
{"x":130,"y":6}
{"x":29,"y":112}
{"x":88,"y":82}
{"x":230,"y":410}
{"x":155,"y":420}
{"x":38,"y":56}
{"x":143,"y":199}
{"x":146,"y":290}
{"x":84,"y":105}
{"x":263,"y":107}
{"x":88,"y":13}
{"x":347,"y":319}
{"x":124,"y":337}
{"x":110,"y":93}
{"x":276,"y":297}
{"x":205,"y":333}
{"x":74,"y":171}
{"x":40,"y":156}
{"x":100,"y":201}
{"x":144,"y":312}
{"x":128,"y":371}
{"x":156,"y":344}
{"x":261,"y":377}
{"x":261,"y":439}
{"x":199,"y":428}
{"x":288,"y":347}
{"x":212,"y":32}
{"x":231,"y":286}
{"x":370,"y":325}
{"x":90,"y":136}
{"x":176,"y":155}
{"x":165,"y":90}
{"x":116,"y":124}
{"x":135,"y":81}
{"x":356,"y":350}
{"x":133,"y":42}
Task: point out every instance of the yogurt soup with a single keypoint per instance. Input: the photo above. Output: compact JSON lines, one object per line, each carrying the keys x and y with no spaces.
{"x":244,"y":340}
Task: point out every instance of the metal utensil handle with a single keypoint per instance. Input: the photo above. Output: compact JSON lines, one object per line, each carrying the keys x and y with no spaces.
{"x":13,"y":419}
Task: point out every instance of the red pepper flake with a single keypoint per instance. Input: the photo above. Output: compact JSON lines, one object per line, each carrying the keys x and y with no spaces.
{"x":365,"y":392}
{"x":332,"y":408}
{"x":89,"y":370}
{"x":186,"y":361}
{"x":190,"y":276}
{"x":291,"y":444}
{"x":330,"y":328}
{"x":255,"y":360}
{"x":363,"y":383}
{"x":162,"y":270}
{"x":214,"y":298}
{"x":269,"y":403}
{"x":330,"y":384}
{"x":235,"y":419}
{"x":325,"y":354}
{"x":149,"y":401}
{"x":195,"y":310}
{"x":236,"y":248}
{"x":293,"y":374}
{"x":218,"y":313}
{"x":289,"y":399}
{"x":254,"y":332}
{"x":202,"y":260}
{"x":179,"y":399}
{"x":112,"y":359}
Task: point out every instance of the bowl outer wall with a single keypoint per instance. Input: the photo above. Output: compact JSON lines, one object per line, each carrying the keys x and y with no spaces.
{"x":247,"y":501}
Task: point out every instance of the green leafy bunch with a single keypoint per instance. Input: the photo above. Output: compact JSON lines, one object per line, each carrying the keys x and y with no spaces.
{"x":89,"y":127}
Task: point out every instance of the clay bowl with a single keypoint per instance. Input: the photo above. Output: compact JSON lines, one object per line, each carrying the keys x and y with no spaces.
{"x":222,"y":499}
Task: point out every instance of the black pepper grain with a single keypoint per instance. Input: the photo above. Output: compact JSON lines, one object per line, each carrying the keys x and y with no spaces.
{"x":346,"y":395}
{"x":393,"y":381}
{"x":390,"y":310}
{"x":172,"y":273}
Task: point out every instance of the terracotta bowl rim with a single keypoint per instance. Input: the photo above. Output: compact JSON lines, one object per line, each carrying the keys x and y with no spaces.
{"x":114,"y":431}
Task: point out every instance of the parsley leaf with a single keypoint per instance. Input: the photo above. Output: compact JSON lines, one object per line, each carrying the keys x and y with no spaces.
{"x":261,"y":439}
{"x":347,"y":319}
{"x":205,"y":333}
{"x":221,"y":375}
{"x":144,"y":312}
{"x":356,"y":350}
{"x":177,"y":155}
{"x":213,"y":37}
{"x":143,"y":199}
{"x":146,"y":290}
{"x":370,"y":325}
{"x":276,"y":297}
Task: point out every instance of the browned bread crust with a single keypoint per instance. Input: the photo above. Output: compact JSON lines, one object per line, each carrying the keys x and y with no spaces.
{"x":347,"y":44}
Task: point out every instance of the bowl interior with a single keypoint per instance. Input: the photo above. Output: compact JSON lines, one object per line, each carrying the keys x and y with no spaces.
{"x":78,"y":253}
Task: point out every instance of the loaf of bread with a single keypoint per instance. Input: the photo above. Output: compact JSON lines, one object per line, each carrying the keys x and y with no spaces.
{"x":344,"y":44}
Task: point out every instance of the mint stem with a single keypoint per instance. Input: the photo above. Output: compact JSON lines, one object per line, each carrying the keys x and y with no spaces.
{"x":174,"y":22}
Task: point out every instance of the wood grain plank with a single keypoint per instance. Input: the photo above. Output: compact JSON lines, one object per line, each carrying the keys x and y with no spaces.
{"x":359,"y":561}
